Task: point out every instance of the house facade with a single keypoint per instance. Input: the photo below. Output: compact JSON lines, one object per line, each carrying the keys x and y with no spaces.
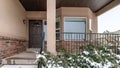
{"x":23,"y":23}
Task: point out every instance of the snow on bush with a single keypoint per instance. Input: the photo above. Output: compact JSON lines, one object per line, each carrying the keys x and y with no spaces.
{"x":90,"y":57}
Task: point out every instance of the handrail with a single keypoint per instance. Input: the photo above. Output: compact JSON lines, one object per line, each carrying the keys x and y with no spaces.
{"x":42,"y":46}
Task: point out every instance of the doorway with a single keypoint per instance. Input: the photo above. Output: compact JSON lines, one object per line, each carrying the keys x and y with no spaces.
{"x":35,"y":33}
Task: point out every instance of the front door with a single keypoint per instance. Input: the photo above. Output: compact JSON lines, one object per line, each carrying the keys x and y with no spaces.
{"x":35,"y":34}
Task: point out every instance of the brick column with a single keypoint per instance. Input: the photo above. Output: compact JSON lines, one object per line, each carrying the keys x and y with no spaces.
{"x":51,"y":29}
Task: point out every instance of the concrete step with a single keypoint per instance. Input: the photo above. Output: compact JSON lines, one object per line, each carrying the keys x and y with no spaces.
{"x":14,"y":61}
{"x":25,"y":58}
{"x":19,"y":66}
{"x":33,"y":50}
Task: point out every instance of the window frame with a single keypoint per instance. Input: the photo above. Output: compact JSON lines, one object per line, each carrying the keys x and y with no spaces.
{"x":81,"y":21}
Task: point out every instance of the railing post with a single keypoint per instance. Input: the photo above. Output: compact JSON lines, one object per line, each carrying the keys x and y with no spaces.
{"x":42,"y":45}
{"x":90,"y":36}
{"x":117,"y":43}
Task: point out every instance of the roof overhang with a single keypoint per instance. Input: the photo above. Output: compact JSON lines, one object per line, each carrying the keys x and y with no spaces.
{"x":108,"y":7}
{"x":97,"y":6}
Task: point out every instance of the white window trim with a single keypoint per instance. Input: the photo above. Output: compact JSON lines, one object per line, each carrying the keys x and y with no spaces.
{"x":76,"y":17}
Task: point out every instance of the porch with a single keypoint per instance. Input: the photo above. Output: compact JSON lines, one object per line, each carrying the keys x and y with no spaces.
{"x":15,"y":22}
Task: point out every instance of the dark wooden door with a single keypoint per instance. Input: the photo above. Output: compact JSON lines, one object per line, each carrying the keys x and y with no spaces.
{"x":35,"y":34}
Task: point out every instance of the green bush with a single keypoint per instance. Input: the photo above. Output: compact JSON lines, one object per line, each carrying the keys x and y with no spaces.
{"x":90,"y":57}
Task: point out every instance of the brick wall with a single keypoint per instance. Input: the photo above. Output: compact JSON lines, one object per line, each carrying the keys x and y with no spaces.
{"x":10,"y":46}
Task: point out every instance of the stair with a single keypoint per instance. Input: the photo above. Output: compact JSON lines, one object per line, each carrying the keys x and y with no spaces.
{"x":26,"y":58}
{"x":19,"y":66}
{"x":22,"y":60}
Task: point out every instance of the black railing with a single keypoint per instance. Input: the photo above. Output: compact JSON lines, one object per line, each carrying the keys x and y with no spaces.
{"x":42,"y":43}
{"x":74,"y":42}
{"x":39,"y":65}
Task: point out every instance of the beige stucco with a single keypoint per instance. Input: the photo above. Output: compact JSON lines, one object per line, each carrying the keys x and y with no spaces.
{"x":36,"y":15}
{"x":78,"y":12}
{"x":51,"y":29}
{"x":12,"y":15}
{"x":40,"y":15}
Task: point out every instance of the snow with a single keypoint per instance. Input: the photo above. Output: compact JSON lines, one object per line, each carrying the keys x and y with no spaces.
{"x":96,"y":52}
{"x":38,"y":56}
{"x":70,"y":58}
{"x":108,"y":65}
{"x":98,"y":65}
{"x":118,"y":56}
{"x":86,"y":52}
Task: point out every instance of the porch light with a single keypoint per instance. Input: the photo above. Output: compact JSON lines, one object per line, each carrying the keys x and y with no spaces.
{"x":24,"y":21}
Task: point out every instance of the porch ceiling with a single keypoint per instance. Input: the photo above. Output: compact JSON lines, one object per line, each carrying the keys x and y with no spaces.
{"x":40,"y":5}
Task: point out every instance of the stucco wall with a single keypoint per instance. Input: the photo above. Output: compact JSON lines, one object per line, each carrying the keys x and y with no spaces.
{"x":13,"y":32}
{"x":36,"y":15}
{"x":74,"y":11}
{"x":94,"y":21}
{"x":12,"y":15}
{"x":80,"y":12}
{"x":68,"y":12}
{"x":40,"y":15}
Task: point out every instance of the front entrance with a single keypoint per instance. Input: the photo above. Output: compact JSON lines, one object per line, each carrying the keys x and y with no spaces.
{"x":35,"y":33}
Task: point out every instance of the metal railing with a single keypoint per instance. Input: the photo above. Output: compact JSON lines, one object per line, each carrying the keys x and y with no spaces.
{"x":42,"y":43}
{"x":39,"y":64}
{"x":75,"y":42}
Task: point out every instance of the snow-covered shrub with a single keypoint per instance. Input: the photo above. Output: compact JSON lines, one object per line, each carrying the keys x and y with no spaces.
{"x":40,"y":60}
{"x":89,"y":57}
{"x":99,"y":57}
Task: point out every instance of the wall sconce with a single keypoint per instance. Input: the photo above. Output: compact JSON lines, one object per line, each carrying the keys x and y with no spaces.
{"x":24,"y":21}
